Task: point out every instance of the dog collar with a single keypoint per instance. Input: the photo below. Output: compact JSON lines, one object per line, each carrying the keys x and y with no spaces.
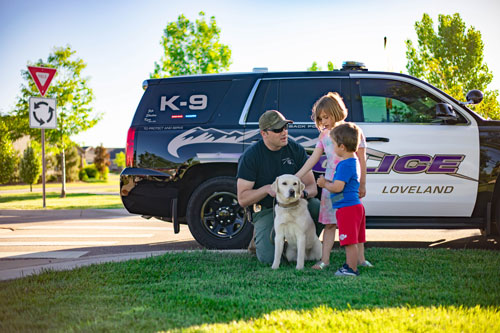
{"x":293,"y":204}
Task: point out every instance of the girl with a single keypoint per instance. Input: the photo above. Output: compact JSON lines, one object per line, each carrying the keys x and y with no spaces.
{"x":328,"y":112}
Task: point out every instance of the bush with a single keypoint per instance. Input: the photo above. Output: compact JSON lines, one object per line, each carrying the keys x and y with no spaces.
{"x":104,"y":175}
{"x":87,"y":173}
{"x":30,"y":167}
{"x":82,"y":175}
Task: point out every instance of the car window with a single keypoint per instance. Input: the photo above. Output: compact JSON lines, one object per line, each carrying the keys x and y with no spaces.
{"x":266,"y":98}
{"x":294,"y":98}
{"x":298,"y":96}
{"x":390,"y":101}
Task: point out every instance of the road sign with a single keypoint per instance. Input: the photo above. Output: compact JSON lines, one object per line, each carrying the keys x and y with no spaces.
{"x":43,"y":112}
{"x":42,"y":77}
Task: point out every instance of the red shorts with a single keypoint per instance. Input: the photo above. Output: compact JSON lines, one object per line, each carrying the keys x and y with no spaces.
{"x":351,"y":222}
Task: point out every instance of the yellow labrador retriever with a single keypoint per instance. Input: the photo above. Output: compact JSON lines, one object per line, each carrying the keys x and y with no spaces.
{"x":293,"y":222}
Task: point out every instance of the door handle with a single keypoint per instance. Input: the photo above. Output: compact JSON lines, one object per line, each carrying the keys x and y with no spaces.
{"x":376,"y":138}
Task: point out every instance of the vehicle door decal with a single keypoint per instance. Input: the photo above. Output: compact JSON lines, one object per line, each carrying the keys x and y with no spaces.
{"x":199,"y":135}
{"x":447,"y":164}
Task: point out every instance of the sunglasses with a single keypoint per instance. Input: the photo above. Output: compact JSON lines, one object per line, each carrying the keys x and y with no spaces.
{"x":278,"y":130}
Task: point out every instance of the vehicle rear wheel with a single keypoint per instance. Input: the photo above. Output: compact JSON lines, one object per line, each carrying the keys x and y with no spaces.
{"x":215,"y":218}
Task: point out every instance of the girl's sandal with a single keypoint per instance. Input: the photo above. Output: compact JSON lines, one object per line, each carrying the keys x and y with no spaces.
{"x":319,"y":266}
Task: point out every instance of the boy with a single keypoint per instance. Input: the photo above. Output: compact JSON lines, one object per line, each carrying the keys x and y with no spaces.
{"x":345,"y":197}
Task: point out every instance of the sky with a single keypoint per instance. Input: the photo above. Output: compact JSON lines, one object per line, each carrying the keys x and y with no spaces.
{"x":119,"y":40}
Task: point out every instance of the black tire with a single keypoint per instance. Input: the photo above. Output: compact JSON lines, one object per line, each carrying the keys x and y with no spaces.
{"x":215,"y":218}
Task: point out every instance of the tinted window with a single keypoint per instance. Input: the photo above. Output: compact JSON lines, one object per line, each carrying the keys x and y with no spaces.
{"x":298,"y":96}
{"x":389,"y":101}
{"x":180,"y":103}
{"x":266,"y":98}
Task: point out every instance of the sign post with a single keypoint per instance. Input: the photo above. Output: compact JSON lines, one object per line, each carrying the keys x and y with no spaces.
{"x":42,"y":111}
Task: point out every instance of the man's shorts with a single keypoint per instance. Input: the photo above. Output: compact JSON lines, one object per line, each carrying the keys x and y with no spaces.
{"x":351,"y":222}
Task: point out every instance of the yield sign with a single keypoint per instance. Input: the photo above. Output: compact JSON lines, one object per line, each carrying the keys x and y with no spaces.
{"x":42,"y":77}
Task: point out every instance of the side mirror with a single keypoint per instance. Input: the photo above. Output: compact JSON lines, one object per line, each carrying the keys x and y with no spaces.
{"x":474,"y":96}
{"x":446,"y":113}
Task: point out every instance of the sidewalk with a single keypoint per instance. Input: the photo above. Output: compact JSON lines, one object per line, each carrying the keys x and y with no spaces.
{"x":35,"y":266}
{"x":31,"y":267}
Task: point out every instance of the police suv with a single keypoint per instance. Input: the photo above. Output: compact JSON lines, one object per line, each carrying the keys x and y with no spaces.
{"x":431,"y":161}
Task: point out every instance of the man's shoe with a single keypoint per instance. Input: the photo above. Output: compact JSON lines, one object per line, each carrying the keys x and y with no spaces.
{"x":346,"y":271}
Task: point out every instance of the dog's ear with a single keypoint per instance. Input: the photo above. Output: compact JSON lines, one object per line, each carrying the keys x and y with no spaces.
{"x":274,"y":186}
{"x":302,"y":186}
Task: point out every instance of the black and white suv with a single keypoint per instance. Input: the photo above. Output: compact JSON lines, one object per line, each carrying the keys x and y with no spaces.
{"x":432,"y":162}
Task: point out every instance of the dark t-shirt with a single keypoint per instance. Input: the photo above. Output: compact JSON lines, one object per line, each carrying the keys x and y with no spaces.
{"x":260,"y":165}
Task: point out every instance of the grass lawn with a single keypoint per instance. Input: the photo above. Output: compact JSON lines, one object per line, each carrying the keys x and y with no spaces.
{"x":417,"y":290}
{"x":83,"y":198}
{"x":113,"y":179}
{"x":53,"y":201}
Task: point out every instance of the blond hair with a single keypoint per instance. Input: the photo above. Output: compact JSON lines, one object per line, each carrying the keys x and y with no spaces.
{"x":347,"y":134}
{"x":331,"y":104}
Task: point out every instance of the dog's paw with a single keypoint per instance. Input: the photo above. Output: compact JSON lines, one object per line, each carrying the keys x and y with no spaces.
{"x":275,"y":266}
{"x":299,"y":266}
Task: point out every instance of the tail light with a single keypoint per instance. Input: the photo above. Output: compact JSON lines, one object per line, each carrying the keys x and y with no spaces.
{"x":129,"y":157}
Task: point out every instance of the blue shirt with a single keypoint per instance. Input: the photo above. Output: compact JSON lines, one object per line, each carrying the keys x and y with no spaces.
{"x":348,"y":171}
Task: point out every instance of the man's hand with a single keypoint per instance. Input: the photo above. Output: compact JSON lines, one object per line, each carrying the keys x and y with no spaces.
{"x":269,"y":190}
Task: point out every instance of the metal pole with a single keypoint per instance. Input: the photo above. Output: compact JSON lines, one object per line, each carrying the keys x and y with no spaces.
{"x":43,"y":165}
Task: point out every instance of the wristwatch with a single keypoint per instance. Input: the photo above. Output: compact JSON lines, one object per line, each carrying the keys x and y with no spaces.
{"x":305,"y":193}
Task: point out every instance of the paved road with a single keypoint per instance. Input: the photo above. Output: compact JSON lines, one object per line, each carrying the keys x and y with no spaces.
{"x":63,"y":239}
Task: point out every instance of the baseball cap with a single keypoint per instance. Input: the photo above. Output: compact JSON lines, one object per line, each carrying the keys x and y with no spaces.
{"x":272,"y":119}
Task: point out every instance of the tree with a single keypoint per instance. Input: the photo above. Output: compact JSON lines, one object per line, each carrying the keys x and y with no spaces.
{"x":120,"y":160}
{"x":452,"y":60}
{"x":101,"y":161}
{"x":314,"y":67}
{"x":192,"y":48}
{"x":71,"y":163}
{"x":30,"y":167}
{"x":71,"y":89}
{"x":8,"y":156}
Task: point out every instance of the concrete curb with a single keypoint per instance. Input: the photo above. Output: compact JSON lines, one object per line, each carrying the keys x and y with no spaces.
{"x":15,"y":273}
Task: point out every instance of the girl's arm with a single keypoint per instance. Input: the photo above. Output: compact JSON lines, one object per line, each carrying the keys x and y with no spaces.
{"x":362,"y":164}
{"x":311,"y":162}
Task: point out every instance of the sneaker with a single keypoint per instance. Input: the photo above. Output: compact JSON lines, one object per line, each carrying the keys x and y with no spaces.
{"x":346,"y":271}
{"x":366,"y":263}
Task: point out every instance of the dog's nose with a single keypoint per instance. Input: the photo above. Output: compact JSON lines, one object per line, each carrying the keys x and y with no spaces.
{"x":292,"y":193}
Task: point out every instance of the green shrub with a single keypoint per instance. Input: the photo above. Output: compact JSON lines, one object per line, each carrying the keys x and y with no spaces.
{"x":91,"y":171}
{"x":104,"y":175}
{"x":82,"y":175}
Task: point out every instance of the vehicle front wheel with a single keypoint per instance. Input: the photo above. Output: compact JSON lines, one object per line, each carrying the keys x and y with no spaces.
{"x":215,"y":218}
